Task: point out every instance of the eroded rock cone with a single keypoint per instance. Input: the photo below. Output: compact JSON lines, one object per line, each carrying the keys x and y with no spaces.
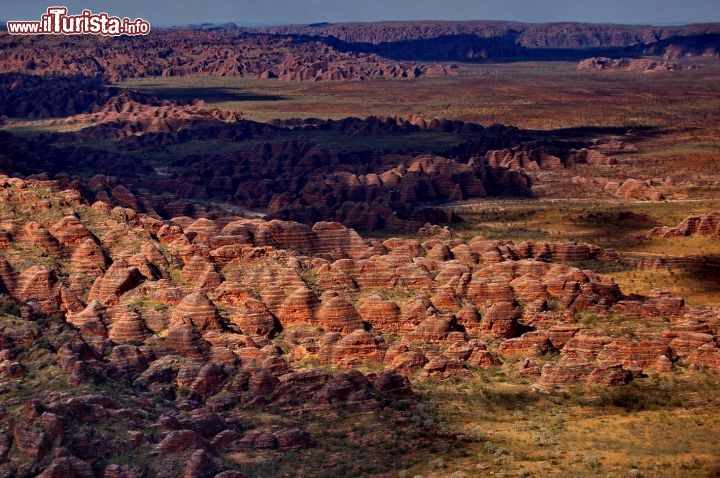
{"x":90,"y":320}
{"x":70,"y":232}
{"x":40,"y":287}
{"x":42,"y":238}
{"x":289,"y":235}
{"x":299,"y":307}
{"x":356,"y":347}
{"x":332,"y":236}
{"x":201,"y":230}
{"x":252,"y":317}
{"x":338,"y":315}
{"x":381,"y":314}
{"x":403,"y":359}
{"x":530,"y":344}
{"x":118,"y":279}
{"x":126,"y":325}
{"x":129,"y":360}
{"x":501,"y":319}
{"x":434,"y":329}
{"x":201,"y":273}
{"x":199,"y":311}
{"x":184,"y":338}
{"x":440,"y":253}
{"x":88,"y":258}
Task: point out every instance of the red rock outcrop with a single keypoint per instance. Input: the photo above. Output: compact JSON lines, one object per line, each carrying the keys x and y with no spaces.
{"x":185,"y":339}
{"x":403,"y":359}
{"x":201,"y":273}
{"x":634,"y":354}
{"x":198,"y":310}
{"x":501,"y":319}
{"x":335,"y":314}
{"x":300,"y":307}
{"x":42,"y":238}
{"x":442,"y":368}
{"x":353,"y":349}
{"x":628,"y":64}
{"x":117,"y":279}
{"x":125,"y":325}
{"x":70,"y":232}
{"x":530,"y":344}
{"x":88,"y":258}
{"x":707,"y":225}
{"x":381,"y":314}
{"x":569,"y":371}
{"x":253,"y":318}
{"x":707,"y":355}
{"x":41,"y":288}
{"x":634,"y":189}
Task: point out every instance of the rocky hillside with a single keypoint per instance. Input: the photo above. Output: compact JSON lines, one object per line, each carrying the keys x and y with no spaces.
{"x":276,"y":170}
{"x":170,"y":325}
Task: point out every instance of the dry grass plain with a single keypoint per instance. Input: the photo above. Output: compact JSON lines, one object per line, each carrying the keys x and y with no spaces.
{"x":551,"y":95}
{"x":493,"y":424}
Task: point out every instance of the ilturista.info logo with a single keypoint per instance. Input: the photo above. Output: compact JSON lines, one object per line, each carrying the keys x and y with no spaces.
{"x":57,"y":22}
